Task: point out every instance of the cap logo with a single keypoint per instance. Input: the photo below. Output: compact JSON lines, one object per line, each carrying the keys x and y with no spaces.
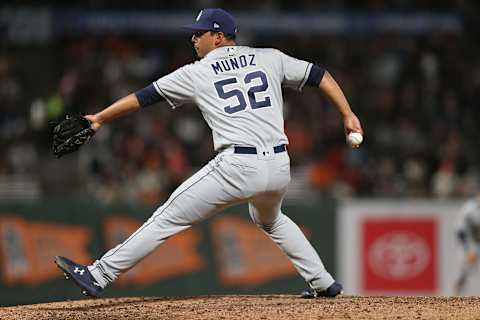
{"x":199,"y":15}
{"x":215,"y":25}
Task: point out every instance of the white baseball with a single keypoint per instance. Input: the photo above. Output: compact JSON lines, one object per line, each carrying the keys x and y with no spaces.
{"x":354,"y":139}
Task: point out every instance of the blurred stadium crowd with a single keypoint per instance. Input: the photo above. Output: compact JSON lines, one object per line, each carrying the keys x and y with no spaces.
{"x":264,"y":5}
{"x":416,"y":96}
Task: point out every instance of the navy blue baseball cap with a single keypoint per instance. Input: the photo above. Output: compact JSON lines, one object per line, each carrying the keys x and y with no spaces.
{"x":214,"y":19}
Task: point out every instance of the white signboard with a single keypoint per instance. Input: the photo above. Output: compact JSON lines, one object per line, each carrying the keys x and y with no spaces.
{"x":388,"y":247}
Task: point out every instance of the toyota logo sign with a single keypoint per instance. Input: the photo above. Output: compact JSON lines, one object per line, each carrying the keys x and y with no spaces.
{"x":399,"y":255}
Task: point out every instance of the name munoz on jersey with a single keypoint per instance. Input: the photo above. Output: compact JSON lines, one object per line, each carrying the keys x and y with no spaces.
{"x":239,"y":92}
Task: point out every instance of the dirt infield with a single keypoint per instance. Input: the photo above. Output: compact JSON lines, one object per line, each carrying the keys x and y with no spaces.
{"x":252,"y":307}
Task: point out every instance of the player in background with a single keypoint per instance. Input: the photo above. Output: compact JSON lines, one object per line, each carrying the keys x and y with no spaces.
{"x":468,"y":234}
{"x":238,"y":89}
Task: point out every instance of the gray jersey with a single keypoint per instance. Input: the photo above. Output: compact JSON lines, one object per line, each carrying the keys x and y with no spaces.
{"x":239,"y":92}
{"x":469,"y":222}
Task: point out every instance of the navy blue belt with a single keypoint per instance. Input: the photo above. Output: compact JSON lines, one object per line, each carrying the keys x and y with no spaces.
{"x":253,"y":150}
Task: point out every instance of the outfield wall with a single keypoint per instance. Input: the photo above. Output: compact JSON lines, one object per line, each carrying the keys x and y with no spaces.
{"x":226,"y":254}
{"x":379,"y":247}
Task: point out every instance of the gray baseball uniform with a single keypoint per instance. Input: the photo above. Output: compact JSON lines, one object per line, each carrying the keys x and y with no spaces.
{"x":468,"y":232}
{"x":239,"y":92}
{"x":468,"y":227}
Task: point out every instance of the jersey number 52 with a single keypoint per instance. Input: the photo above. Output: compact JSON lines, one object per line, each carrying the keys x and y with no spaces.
{"x":242,"y":103}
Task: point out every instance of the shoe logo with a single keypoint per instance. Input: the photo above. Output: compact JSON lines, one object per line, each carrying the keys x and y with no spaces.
{"x":80,"y":271}
{"x":98,"y":285}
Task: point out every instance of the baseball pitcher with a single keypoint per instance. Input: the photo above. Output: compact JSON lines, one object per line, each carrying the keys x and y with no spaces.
{"x":239,"y":92}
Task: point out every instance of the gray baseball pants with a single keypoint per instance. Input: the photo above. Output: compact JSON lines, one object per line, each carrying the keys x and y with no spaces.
{"x":229,"y":179}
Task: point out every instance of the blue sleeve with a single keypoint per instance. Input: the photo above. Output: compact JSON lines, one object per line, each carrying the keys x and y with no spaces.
{"x":148,"y":96}
{"x":315,"y":76}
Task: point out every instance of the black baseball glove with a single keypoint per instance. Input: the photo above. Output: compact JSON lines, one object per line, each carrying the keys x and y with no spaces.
{"x":70,"y":134}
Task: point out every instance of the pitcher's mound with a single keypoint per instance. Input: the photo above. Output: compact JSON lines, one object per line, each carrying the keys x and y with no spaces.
{"x":246,"y":307}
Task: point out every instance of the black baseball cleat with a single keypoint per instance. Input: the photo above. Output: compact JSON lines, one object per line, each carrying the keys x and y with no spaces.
{"x":331,"y":292}
{"x":80,"y":275}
